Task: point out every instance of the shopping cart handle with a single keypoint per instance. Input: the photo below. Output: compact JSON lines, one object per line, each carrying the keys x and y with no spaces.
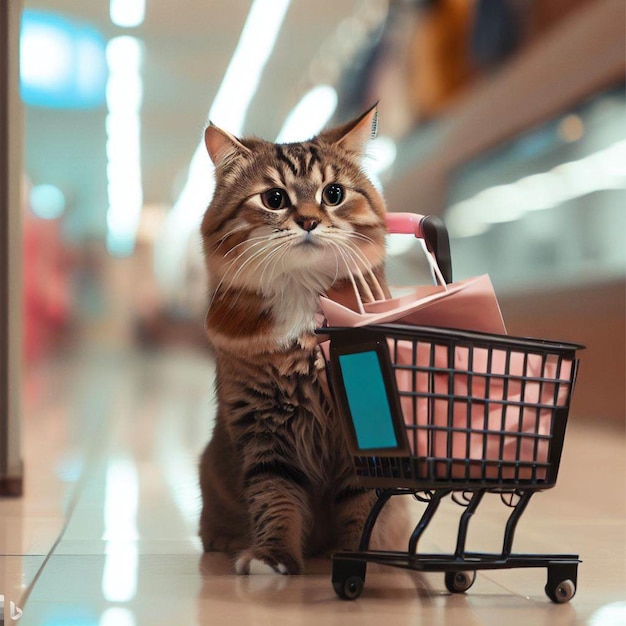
{"x":429,"y":228}
{"x":405,"y":224}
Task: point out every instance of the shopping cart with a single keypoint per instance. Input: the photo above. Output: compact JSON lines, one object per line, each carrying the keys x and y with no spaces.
{"x":434,"y":412}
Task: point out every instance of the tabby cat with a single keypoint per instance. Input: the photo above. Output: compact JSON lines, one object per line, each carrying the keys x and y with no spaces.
{"x":287,"y":222}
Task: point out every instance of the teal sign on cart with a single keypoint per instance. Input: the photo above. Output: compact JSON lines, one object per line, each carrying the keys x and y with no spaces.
{"x":367,"y":399}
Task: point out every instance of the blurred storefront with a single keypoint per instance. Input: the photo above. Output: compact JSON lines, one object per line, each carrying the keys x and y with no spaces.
{"x":524,"y":159}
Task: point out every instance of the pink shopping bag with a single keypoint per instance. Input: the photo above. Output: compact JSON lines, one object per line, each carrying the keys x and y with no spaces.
{"x":493,"y":408}
{"x":469,"y":304}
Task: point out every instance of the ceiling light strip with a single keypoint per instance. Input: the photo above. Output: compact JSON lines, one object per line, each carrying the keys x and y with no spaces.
{"x":127,"y":13}
{"x":229,"y":110}
{"x":241,"y":80}
{"x":124,"y":95}
{"x":600,"y":171}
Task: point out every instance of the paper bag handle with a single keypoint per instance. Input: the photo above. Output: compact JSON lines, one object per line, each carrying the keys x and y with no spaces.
{"x":429,"y":228}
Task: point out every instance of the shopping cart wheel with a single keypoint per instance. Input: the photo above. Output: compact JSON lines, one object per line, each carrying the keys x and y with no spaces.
{"x":561,"y":592}
{"x":349,"y":589}
{"x":459,"y":582}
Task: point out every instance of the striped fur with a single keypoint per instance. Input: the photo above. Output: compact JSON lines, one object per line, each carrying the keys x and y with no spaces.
{"x":276,"y":478}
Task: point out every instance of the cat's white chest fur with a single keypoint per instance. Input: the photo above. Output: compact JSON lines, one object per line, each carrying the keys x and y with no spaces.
{"x":294,"y":307}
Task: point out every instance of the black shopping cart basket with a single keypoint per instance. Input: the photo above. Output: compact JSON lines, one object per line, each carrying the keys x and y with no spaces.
{"x":434,"y":412}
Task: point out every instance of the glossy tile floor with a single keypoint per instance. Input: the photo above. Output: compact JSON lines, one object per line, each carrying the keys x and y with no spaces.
{"x":106,"y":533}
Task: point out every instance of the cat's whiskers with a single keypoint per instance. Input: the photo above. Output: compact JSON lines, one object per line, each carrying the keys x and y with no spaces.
{"x":356,"y":254}
{"x":351,"y":251}
{"x":261,"y":238}
{"x":262,"y":257}
{"x":263,"y":251}
{"x":356,"y":235}
{"x":365,"y":292}
{"x":337,"y":248}
{"x":351,"y":277}
{"x":226,"y":275}
{"x":230,"y":233}
{"x":261,"y":241}
{"x":257,"y":256}
{"x":367,"y":264}
{"x":280,"y":251}
{"x":267,"y":257}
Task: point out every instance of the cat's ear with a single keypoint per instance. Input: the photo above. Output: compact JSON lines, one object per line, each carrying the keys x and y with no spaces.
{"x":354,"y":135}
{"x":222,"y":146}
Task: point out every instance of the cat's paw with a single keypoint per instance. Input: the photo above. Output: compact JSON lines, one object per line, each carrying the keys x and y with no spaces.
{"x":258,"y":561}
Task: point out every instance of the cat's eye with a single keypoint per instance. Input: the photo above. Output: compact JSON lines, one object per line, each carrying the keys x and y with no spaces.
{"x":333,"y":194}
{"x":275,"y":199}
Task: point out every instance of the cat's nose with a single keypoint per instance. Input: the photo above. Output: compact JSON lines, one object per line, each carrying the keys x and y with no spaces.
{"x":307,"y":223}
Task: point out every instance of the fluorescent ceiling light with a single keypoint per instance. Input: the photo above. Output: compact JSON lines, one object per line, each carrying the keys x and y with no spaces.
{"x":310,"y":115}
{"x":123,"y":148}
{"x":124,"y":54}
{"x":127,"y":13}
{"x":229,"y":110}
{"x":499,"y":204}
{"x":600,"y":171}
{"x":46,"y":53}
{"x":61,"y":62}
{"x":243,"y":74}
{"x":232,"y":101}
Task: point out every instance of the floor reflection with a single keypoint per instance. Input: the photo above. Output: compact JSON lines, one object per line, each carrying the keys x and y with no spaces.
{"x":109,"y":536}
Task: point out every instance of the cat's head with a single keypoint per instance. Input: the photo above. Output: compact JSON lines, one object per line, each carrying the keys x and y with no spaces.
{"x":297,"y":213}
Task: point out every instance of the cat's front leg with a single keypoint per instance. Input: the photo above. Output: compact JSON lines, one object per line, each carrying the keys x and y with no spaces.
{"x":223,"y":520}
{"x":279,"y":514}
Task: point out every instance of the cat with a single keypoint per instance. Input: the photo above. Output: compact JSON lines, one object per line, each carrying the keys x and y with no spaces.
{"x":287,"y":223}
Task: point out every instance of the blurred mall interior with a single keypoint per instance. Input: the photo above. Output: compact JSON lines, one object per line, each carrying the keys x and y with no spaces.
{"x":519,"y":147}
{"x":506,"y":118}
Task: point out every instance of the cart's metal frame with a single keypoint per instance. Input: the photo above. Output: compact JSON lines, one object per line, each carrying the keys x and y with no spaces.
{"x":399,"y":477}
{"x":349,"y":568}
